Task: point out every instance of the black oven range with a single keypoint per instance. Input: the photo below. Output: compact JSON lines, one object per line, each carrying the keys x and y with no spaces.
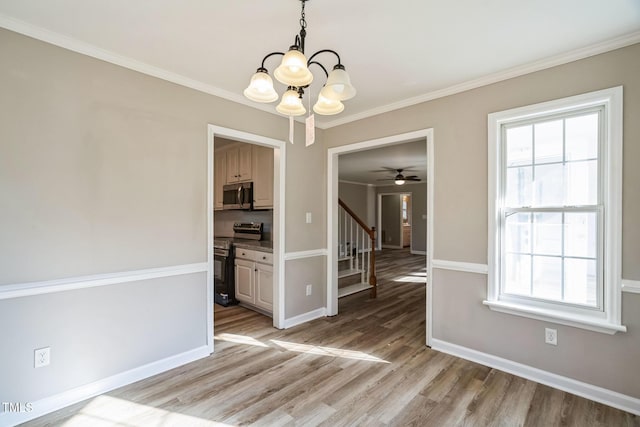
{"x":223,"y":260}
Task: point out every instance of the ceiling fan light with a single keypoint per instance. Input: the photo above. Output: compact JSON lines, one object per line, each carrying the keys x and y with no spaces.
{"x":327,"y":107}
{"x":291,"y":104}
{"x":338,"y":85}
{"x":260,"y":87}
{"x":293,"y":69}
{"x":399,"y":181}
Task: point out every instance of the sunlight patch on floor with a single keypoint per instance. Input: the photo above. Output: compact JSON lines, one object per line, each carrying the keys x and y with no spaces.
{"x":415,"y":278}
{"x":111,"y":411}
{"x":239,"y":339}
{"x":328,"y":351}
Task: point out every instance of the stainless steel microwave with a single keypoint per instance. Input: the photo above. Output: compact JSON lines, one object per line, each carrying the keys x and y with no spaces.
{"x":238,"y":196}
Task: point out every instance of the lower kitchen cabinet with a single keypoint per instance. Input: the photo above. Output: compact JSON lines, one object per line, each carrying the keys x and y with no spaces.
{"x":264,"y":286}
{"x":254,"y":279}
{"x":245,"y":278}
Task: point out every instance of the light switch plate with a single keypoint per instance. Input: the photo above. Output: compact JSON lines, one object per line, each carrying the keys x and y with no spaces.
{"x":308,"y":217}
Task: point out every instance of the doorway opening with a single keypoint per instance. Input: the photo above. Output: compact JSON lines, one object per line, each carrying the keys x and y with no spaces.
{"x":426,"y":137}
{"x":276,"y":233}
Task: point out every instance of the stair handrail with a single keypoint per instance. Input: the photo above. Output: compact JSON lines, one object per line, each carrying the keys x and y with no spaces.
{"x":371,"y":231}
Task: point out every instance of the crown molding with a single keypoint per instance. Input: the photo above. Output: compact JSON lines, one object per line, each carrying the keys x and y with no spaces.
{"x":553,"y":61}
{"x":78,"y":46}
{"x":93,"y":51}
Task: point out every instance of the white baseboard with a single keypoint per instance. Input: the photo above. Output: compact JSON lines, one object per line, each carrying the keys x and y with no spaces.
{"x":305,"y":317}
{"x":78,"y":394}
{"x":391,"y":246}
{"x":414,"y":252}
{"x":592,"y":392}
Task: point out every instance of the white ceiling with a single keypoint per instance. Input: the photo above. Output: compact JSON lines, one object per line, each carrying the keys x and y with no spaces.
{"x":377,"y":164}
{"x":397,"y":53}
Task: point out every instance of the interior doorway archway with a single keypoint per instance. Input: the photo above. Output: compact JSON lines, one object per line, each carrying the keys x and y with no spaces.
{"x":332,"y":213}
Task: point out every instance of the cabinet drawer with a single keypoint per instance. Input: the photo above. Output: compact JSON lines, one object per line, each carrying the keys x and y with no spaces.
{"x":264,"y":257}
{"x":243,"y":253}
{"x":253,"y":255}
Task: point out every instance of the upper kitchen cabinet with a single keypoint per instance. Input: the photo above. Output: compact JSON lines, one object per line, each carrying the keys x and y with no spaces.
{"x":262,"y":166}
{"x":239,"y":163}
{"x":219,"y":177}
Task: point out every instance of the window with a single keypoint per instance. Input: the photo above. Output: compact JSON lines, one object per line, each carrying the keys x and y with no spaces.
{"x":554,"y":211}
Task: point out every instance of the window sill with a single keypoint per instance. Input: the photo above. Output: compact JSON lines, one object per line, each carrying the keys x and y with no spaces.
{"x":555,"y":316}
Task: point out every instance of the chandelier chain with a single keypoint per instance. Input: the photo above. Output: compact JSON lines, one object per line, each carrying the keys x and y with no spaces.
{"x":303,"y":21}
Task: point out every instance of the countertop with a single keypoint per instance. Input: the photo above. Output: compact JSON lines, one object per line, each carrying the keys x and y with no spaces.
{"x":256,"y":245}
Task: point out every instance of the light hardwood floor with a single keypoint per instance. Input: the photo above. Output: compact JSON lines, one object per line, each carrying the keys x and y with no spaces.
{"x":368,"y":366}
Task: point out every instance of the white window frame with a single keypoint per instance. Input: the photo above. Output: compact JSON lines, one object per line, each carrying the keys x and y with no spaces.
{"x":609,"y":318}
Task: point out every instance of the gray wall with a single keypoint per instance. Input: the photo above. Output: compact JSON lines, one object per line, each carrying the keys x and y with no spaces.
{"x":356,"y":196}
{"x":104,"y":170}
{"x":460,"y":218}
{"x":418,"y":210}
{"x":391,"y":233}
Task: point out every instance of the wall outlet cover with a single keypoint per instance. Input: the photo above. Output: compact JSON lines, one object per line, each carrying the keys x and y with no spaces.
{"x":41,"y":357}
{"x":551,"y":336}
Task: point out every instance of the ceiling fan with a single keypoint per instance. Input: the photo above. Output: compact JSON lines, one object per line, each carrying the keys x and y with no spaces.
{"x":400,"y":179}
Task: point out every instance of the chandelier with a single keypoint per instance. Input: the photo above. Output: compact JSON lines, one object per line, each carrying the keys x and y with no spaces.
{"x":294,"y":73}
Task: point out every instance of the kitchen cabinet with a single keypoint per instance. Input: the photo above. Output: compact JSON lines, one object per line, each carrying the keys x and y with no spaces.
{"x":254,"y":278}
{"x":238,"y":163}
{"x":262,"y":170}
{"x":220,"y":177}
{"x":245,"y":278}
{"x":264,"y":286}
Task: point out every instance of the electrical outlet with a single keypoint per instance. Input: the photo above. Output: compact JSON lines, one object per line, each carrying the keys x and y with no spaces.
{"x":308,"y":217}
{"x":41,"y":357}
{"x":551,"y":336}
{"x":309,"y":289}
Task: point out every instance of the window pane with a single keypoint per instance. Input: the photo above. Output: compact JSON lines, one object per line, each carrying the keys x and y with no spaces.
{"x":547,"y":234}
{"x":547,"y":277}
{"x":518,"y":233}
{"x":580,"y":234}
{"x":582,"y":137}
{"x":548,"y":142}
{"x":519,"y":186}
{"x":518,"y":274}
{"x":548,"y":185}
{"x":581,"y":281}
{"x":519,"y":146}
{"x":582,"y":183}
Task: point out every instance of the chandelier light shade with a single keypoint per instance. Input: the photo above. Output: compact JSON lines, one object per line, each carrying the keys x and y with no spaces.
{"x":327,"y":107}
{"x":338,"y":85}
{"x":399,"y":181}
{"x":291,"y":103}
{"x":261,"y":88}
{"x":294,"y":72}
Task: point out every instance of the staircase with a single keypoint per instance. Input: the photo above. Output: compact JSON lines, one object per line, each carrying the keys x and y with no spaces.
{"x":356,"y":254}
